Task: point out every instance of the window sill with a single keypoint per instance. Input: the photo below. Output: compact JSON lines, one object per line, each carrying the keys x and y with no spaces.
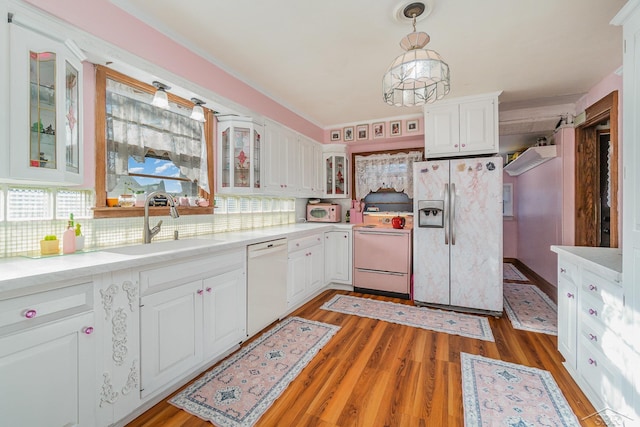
{"x":153,"y":211}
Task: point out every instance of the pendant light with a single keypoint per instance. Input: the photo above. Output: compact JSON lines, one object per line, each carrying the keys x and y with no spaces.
{"x":198,"y":112}
{"x":160,"y":99}
{"x":418,"y":76}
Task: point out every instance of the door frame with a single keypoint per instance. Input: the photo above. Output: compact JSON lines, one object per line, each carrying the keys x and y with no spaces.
{"x":587,"y":172}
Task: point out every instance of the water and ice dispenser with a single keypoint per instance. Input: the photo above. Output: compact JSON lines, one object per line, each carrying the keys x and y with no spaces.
{"x":431,"y":213}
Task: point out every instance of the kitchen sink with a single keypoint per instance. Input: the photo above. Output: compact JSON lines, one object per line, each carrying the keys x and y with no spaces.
{"x":159,"y":247}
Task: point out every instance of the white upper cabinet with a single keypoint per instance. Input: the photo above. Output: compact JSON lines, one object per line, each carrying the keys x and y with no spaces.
{"x":291,"y":166}
{"x":46,"y":110}
{"x":336,"y":171}
{"x":462,"y":126}
{"x":239,"y":166}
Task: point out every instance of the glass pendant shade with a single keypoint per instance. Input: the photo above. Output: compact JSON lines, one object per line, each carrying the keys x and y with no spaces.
{"x":160,"y":99}
{"x":417,"y":77}
{"x":198,"y":113}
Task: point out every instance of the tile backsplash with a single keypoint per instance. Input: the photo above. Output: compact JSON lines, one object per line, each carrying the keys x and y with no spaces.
{"x":22,"y":237}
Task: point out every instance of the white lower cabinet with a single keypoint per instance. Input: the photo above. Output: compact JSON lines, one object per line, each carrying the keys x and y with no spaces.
{"x":337,"y":256}
{"x":171,"y":341}
{"x":191,"y":322}
{"x":567,"y":320}
{"x":305,"y":269}
{"x":47,"y":359}
{"x":590,"y":304}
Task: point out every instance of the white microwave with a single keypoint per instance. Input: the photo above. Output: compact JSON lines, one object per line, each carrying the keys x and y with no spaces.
{"x":323,"y":212}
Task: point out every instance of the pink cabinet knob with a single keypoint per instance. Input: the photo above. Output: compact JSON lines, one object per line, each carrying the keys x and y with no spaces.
{"x":593,"y":312}
{"x":208,"y":289}
{"x":88,"y":330}
{"x":30,"y":314}
{"x":464,"y":145}
{"x":593,"y":288}
{"x":345,"y":236}
{"x":570,"y":295}
{"x":199,"y":291}
{"x":593,"y":362}
{"x":593,"y":337}
{"x":562,"y":270}
{"x":456,"y":145}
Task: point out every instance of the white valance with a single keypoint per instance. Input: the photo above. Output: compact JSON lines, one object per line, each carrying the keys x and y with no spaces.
{"x":135,"y":127}
{"x":378,"y":171}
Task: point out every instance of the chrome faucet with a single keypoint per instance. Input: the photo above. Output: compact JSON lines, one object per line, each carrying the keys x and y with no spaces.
{"x":147,"y":234}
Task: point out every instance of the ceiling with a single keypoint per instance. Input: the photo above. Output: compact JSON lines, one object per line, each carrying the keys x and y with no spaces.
{"x":325,"y":59}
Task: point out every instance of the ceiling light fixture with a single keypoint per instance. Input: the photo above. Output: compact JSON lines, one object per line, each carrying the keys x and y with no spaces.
{"x":198,"y":112}
{"x":418,"y":76}
{"x":160,"y":99}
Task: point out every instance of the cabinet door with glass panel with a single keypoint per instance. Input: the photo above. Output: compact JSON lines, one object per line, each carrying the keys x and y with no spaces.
{"x":239,"y":155}
{"x":336,"y":173}
{"x":46,"y":109}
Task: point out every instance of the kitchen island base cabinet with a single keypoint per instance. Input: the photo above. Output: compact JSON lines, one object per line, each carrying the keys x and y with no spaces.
{"x":46,"y":375}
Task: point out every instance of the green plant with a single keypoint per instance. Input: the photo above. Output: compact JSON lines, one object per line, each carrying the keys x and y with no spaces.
{"x":78,"y":232}
{"x":50,"y":237}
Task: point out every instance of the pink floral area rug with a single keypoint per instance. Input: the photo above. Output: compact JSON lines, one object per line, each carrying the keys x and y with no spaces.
{"x":530,"y":309}
{"x":497,"y":393}
{"x":510,"y":272}
{"x":466,"y":325}
{"x":242,"y":388}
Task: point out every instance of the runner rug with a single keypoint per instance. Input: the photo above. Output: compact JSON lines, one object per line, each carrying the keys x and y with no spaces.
{"x":510,"y":272}
{"x":449,"y":322}
{"x":497,"y":393}
{"x":242,"y":388}
{"x":530,"y":309}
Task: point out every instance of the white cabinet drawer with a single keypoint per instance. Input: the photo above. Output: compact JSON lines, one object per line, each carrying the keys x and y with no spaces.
{"x":592,"y":333}
{"x":607,"y":315}
{"x":567,"y":270}
{"x":601,"y":373}
{"x":45,"y":306}
{"x":598,"y":287}
{"x":305,"y":242}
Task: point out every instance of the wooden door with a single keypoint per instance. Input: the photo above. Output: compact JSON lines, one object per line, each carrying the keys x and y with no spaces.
{"x":588,"y":216}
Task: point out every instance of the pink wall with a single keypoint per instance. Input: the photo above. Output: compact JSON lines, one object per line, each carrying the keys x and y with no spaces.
{"x":540,"y":217}
{"x":97,"y":17}
{"x":510,"y":224}
{"x":546,"y":203}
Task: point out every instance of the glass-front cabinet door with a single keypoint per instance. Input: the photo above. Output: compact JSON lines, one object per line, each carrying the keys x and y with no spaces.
{"x":45,"y":115}
{"x":239,"y":155}
{"x":336,"y":173}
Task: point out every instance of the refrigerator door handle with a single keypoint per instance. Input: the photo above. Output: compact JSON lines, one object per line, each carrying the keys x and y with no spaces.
{"x":446,"y":214}
{"x":453,"y":214}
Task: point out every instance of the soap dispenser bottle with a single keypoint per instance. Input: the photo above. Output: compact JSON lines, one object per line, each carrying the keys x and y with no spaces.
{"x":69,"y":238}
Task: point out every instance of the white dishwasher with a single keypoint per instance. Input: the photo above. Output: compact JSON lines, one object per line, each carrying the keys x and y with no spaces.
{"x":266,"y":283}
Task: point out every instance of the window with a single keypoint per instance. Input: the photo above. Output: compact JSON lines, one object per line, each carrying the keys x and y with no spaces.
{"x":141,"y":148}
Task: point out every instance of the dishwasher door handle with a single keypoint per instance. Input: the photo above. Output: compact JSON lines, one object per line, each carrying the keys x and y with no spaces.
{"x":271,"y":248}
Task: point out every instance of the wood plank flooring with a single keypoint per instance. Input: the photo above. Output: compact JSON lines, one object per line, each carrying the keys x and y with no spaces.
{"x":374,"y":373}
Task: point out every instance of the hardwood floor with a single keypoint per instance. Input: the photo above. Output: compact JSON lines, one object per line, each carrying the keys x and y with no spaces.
{"x":374,"y":373}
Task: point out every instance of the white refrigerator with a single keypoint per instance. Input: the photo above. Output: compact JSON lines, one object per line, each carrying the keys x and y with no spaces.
{"x":457,"y":234}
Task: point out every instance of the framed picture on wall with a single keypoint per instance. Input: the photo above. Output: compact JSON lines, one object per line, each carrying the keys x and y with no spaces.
{"x":348,"y":133}
{"x":335,"y":135}
{"x":378,"y":130}
{"x":412,"y":125}
{"x":362,"y":132}
{"x":395,"y":128}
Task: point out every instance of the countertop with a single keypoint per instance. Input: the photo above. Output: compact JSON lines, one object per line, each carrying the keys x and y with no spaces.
{"x":608,"y":261}
{"x":24,"y":276}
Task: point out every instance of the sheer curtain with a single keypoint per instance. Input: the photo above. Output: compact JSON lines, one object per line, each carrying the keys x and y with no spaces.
{"x":135,"y":127}
{"x":385,"y":171}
